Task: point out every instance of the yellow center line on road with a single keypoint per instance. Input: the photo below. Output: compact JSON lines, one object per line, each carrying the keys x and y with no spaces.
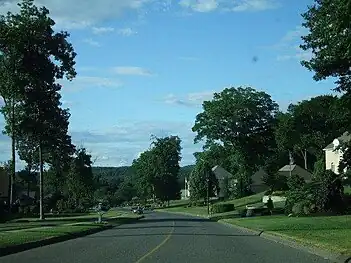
{"x":157,"y":247}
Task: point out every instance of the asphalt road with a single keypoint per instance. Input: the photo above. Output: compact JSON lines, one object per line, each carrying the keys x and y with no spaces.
{"x":166,"y":238}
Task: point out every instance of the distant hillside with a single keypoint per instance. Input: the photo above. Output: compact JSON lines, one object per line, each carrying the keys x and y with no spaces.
{"x":116,"y":174}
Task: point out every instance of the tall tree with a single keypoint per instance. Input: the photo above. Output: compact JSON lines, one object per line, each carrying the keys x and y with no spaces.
{"x":309,"y":126}
{"x":144,"y":175}
{"x":11,"y":92}
{"x":45,"y":57}
{"x":202,"y":179}
{"x":329,"y":40}
{"x":167,"y":152}
{"x":242,"y":120}
{"x":80,"y":181}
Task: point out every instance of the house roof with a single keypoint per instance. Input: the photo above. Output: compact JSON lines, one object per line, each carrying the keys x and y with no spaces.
{"x":296,"y":169}
{"x":345,"y":137}
{"x":220,"y":172}
{"x":287,"y":168}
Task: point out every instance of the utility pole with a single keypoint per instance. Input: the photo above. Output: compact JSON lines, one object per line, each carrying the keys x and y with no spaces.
{"x":208,"y":194}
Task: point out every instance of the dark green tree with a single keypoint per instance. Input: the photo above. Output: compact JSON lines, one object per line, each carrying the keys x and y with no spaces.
{"x":167,"y":154}
{"x":80,"y":181}
{"x":329,"y":40}
{"x":241,"y":119}
{"x":45,"y":56}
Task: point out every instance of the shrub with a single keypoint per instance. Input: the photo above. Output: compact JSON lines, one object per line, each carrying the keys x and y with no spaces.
{"x":328,"y":192}
{"x":303,"y":208}
{"x":222,"y":208}
{"x":279,"y":193}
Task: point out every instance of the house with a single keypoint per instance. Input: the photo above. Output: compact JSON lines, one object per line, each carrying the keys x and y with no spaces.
{"x":333,"y":155}
{"x":185,"y":192}
{"x":294,"y":169}
{"x":257,"y":183}
{"x":4,"y":184}
{"x":225,"y":181}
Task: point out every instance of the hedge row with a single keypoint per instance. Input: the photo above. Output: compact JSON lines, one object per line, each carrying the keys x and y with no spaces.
{"x":222,"y":208}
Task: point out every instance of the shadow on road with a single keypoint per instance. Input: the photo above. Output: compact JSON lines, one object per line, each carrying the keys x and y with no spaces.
{"x":143,"y":227}
{"x":173,"y":234}
{"x":171,"y":219}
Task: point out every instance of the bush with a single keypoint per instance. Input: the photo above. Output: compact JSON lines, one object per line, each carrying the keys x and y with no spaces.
{"x":303,"y":208}
{"x":279,"y":193}
{"x":329,"y":193}
{"x":242,"y":212}
{"x":222,"y":208}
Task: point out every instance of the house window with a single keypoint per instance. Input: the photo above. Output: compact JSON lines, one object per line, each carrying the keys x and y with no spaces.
{"x":332,"y":167}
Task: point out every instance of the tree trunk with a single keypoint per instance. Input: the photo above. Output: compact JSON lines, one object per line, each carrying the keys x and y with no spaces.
{"x":41,"y":183}
{"x":304,"y":154}
{"x":13,"y":153}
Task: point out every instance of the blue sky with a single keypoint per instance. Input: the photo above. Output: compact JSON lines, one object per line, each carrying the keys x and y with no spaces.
{"x":145,"y":66}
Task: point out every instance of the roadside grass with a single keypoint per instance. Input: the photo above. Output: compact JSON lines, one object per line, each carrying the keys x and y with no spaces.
{"x":181,"y":206}
{"x":8,"y":239}
{"x":21,"y":232}
{"x":27,"y":223}
{"x":329,"y":233}
{"x":247,"y":200}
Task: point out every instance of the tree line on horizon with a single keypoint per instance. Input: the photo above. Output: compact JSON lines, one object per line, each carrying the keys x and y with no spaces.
{"x":242,"y":129}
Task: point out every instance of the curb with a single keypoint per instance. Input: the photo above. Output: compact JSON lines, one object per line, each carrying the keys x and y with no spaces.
{"x":40,"y":243}
{"x":285,"y":240}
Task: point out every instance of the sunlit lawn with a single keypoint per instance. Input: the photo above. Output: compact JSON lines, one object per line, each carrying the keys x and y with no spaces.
{"x":330,"y":233}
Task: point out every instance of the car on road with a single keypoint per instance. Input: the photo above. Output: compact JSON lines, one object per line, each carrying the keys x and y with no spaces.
{"x":137,"y":210}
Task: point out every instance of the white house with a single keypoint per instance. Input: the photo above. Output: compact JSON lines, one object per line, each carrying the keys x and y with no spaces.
{"x":186,"y":191}
{"x":333,"y":155}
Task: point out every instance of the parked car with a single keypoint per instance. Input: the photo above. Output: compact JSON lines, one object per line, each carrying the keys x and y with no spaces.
{"x":138,"y":210}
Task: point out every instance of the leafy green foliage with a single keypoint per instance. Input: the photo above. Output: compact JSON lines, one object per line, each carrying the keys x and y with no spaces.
{"x":242,"y":118}
{"x":328,"y":192}
{"x":80,"y":183}
{"x":202,"y":180}
{"x":222,"y":208}
{"x":329,"y":39}
{"x":309,"y":126}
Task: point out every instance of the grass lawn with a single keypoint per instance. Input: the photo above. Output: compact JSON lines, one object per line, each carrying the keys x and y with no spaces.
{"x":34,"y":234}
{"x":180,"y":206}
{"x":51,"y":221}
{"x":31,"y":229}
{"x":330,"y":233}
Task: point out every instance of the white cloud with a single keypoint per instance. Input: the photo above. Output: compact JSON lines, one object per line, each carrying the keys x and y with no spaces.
{"x":83,"y":82}
{"x":254,"y":5}
{"x":135,"y":71}
{"x":91,"y":42}
{"x":229,"y":5}
{"x":82,"y":13}
{"x":289,"y":45}
{"x":200,"y":5}
{"x":127,"y":32}
{"x":123,"y":142}
{"x":102,"y":30}
{"x":190,"y":100}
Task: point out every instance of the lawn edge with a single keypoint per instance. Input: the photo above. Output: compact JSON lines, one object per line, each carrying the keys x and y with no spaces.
{"x":181,"y":213}
{"x":49,"y":241}
{"x":291,"y":242}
